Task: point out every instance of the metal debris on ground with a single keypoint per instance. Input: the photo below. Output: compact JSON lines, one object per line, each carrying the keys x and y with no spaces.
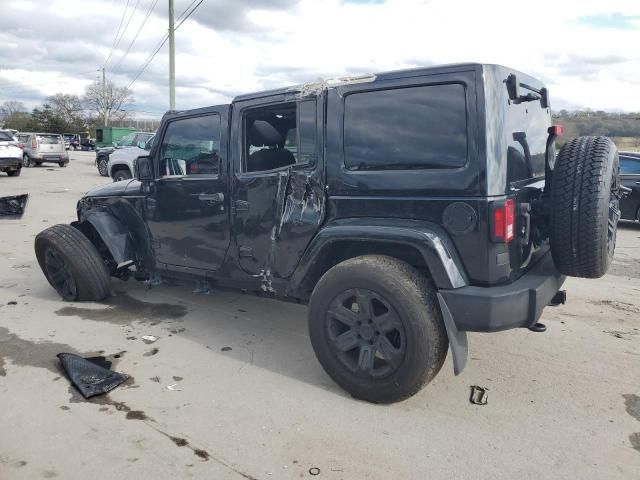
{"x":314,"y":471}
{"x":149,"y":338}
{"x":91,"y":376}
{"x":202,"y":287}
{"x":174,"y":388}
{"x":13,"y":206}
{"x":479,"y":395}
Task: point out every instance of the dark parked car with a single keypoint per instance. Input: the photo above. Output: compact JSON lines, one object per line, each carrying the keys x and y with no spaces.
{"x":71,"y":141}
{"x":405,"y":209}
{"x":630,"y":177}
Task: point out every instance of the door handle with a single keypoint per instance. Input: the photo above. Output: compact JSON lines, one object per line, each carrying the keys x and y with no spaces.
{"x":211,"y":198}
{"x":637,"y":183}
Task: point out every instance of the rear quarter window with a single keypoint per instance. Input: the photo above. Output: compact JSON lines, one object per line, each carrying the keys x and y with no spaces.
{"x":406,"y":128}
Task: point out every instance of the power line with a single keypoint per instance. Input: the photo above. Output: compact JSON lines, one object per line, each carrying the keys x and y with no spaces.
{"x":124,"y":30}
{"x":149,"y":11}
{"x":163,"y":41}
{"x":113,"y":44}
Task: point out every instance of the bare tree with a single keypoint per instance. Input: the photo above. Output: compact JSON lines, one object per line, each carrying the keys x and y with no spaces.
{"x":70,"y":108}
{"x":107,"y":100}
{"x":10,"y":107}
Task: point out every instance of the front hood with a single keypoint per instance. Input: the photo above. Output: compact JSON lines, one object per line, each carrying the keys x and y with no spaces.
{"x":105,"y":150}
{"x":116,"y":189}
{"x":127,"y":153}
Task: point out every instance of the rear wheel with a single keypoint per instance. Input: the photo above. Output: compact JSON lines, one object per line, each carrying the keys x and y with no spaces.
{"x":14,"y":173}
{"x":62,"y":164}
{"x":71,"y":264}
{"x":26,"y":161}
{"x":585,"y":206}
{"x":121,"y":175}
{"x":376,"y":328}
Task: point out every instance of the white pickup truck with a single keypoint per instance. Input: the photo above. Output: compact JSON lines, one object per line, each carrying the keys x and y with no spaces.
{"x":120,"y":166}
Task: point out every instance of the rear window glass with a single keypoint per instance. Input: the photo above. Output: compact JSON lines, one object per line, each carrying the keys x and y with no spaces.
{"x":48,"y":139}
{"x":406,"y":128}
{"x":629,"y":166}
{"x":5,"y":137}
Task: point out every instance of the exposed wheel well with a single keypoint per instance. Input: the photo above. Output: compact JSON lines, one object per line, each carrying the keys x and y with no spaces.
{"x":340,"y":251}
{"x":119,"y":167}
{"x":94,"y":237}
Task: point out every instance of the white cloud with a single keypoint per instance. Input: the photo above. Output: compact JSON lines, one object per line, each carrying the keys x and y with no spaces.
{"x":586,"y":51}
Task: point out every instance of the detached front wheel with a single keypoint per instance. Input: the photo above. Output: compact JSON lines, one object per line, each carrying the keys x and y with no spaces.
{"x":71,"y":264}
{"x":376,"y":328}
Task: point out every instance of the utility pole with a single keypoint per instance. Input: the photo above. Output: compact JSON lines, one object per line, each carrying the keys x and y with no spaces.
{"x":172,"y":60}
{"x":104,"y":97}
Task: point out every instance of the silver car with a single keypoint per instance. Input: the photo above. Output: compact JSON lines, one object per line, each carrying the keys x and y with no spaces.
{"x":42,"y":148}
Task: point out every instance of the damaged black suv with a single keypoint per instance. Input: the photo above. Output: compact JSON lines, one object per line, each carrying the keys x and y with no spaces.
{"x":405,"y":208}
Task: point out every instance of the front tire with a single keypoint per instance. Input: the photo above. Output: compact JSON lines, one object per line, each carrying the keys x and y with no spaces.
{"x":14,"y":173}
{"x":103,"y":169}
{"x":26,"y":161}
{"x":62,"y":164}
{"x":71,"y":264}
{"x":376,"y":328}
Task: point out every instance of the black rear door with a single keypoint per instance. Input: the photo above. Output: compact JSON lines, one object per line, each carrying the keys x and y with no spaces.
{"x":278,"y":188}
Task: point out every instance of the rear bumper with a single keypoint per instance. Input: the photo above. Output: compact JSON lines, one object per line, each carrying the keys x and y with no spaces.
{"x":517,"y":305}
{"x":10,"y":163}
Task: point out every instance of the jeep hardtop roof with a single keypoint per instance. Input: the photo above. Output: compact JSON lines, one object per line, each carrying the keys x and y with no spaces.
{"x":378,"y":77}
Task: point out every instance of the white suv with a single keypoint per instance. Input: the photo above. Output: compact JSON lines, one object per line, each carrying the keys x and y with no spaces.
{"x":10,"y":154}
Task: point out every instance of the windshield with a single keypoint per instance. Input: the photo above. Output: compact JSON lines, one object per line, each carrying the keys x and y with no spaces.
{"x":5,"y":137}
{"x":48,"y":139}
{"x":128,"y":141}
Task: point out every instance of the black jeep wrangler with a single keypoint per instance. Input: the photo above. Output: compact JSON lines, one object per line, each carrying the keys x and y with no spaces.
{"x":405,"y":208}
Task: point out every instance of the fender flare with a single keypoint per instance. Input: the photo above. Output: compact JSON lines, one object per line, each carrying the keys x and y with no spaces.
{"x":122,"y":231}
{"x":431,"y":240}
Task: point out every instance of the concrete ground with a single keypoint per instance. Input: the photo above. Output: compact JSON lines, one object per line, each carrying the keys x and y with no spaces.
{"x":232,"y":388}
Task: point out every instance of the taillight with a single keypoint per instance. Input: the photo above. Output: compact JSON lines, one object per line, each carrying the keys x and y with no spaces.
{"x":504,"y":221}
{"x":21,"y":145}
{"x":556,"y":130}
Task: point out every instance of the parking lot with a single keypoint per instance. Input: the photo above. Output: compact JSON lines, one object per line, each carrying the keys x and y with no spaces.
{"x":232,"y":389}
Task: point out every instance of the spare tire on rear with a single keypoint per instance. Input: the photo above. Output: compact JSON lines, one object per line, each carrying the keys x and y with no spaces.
{"x":585,"y":194}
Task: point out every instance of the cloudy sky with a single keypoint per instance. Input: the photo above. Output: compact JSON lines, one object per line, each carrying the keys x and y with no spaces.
{"x":586,"y":51}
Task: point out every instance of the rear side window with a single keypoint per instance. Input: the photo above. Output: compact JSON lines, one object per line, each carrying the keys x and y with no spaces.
{"x":49,"y":139}
{"x":406,"y":128}
{"x":629,"y":166}
{"x":5,"y":137}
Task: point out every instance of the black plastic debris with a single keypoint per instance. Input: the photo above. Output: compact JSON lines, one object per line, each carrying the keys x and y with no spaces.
{"x":479,"y":395}
{"x":91,"y":376}
{"x":13,"y":206}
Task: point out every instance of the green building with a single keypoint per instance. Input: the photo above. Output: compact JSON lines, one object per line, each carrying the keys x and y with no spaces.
{"x":106,"y":136}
